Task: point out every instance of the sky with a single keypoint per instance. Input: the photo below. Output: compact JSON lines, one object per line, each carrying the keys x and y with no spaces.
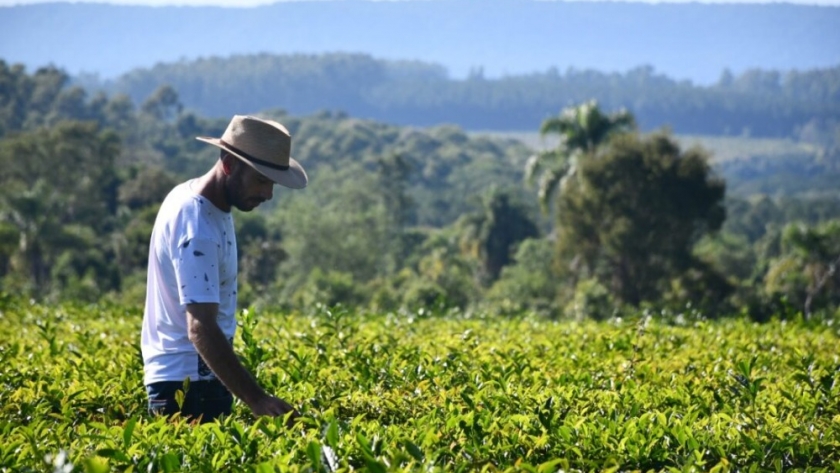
{"x":252,"y":3}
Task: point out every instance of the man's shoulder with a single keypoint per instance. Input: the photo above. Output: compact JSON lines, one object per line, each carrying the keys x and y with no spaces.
{"x":180,"y":200}
{"x":191,"y":215}
{"x":180,"y":194}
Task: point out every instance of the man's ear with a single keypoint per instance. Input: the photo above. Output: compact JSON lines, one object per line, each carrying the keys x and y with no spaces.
{"x":228,"y":163}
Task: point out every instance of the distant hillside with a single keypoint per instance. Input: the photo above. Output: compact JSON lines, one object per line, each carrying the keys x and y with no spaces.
{"x":754,"y":103}
{"x":685,"y":41}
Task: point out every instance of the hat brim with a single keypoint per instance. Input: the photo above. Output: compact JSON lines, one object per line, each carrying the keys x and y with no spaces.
{"x":293,"y":178}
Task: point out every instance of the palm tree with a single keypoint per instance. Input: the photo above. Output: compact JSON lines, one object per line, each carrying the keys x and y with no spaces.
{"x":582,"y":129}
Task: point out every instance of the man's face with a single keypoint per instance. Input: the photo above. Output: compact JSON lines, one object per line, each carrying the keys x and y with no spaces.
{"x":246,"y":188}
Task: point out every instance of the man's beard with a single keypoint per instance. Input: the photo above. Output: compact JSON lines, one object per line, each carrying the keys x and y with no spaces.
{"x":235,"y":190}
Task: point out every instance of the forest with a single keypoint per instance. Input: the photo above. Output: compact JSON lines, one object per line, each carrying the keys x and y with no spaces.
{"x":753,"y":103}
{"x":619,"y":215}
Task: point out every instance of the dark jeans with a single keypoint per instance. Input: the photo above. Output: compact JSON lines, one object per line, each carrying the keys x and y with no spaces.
{"x":206,"y":399}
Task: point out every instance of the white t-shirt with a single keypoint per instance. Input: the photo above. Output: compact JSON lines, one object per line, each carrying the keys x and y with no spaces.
{"x":192,"y":259}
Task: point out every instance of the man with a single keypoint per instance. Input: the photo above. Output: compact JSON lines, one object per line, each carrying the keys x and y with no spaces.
{"x":190,"y":316}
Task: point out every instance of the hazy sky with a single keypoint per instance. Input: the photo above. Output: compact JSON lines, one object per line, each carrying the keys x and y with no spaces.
{"x":247,"y":3}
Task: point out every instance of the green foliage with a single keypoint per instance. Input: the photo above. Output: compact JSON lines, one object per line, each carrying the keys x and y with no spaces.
{"x":491,"y":234}
{"x":806,"y":271}
{"x":448,"y":269}
{"x":422,"y":293}
{"x":41,"y":99}
{"x":632,"y":216}
{"x":58,"y":199}
{"x":424,"y":176}
{"x":806,"y":170}
{"x":147,"y":187}
{"x":343,"y":227}
{"x":436,"y":219}
{"x":330,"y":288}
{"x":582,"y":130}
{"x":414,"y":392}
{"x":77,"y":214}
{"x":163,"y":104}
{"x":529,"y":284}
{"x":591,"y":300}
{"x":728,"y":253}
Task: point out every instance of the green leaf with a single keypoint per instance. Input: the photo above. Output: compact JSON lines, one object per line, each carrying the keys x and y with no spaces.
{"x":113,"y":453}
{"x":128,"y":430}
{"x":264,"y":467}
{"x":826,"y":383}
{"x":313,"y":452}
{"x":73,"y":395}
{"x":179,"y":398}
{"x":804,"y":378}
{"x":414,"y":450}
{"x":746,"y":366}
{"x":169,"y":463}
{"x":549,"y":403}
{"x":332,"y":434}
{"x":237,"y":431}
{"x":264,"y":426}
{"x":365,"y":444}
{"x":550,"y":466}
{"x":467,"y":399}
{"x":375,"y":466}
{"x":95,"y":465}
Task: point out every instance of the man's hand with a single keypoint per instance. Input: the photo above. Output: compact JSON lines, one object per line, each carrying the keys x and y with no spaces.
{"x":269,"y":405}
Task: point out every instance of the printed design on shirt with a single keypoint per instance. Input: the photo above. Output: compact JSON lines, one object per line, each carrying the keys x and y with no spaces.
{"x":197,"y":271}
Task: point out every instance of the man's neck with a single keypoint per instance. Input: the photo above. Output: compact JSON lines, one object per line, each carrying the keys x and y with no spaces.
{"x":211,"y":186}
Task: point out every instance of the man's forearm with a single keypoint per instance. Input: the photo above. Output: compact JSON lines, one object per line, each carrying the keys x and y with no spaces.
{"x":217,"y":352}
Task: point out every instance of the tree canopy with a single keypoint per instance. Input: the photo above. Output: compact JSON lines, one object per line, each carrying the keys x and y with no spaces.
{"x":400,"y":218}
{"x":755,"y":102}
{"x":632,"y":217}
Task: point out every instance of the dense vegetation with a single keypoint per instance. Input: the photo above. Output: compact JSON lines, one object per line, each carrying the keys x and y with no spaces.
{"x":430,"y":301}
{"x":414,"y":391}
{"x":404,"y":217}
{"x":752,"y":103}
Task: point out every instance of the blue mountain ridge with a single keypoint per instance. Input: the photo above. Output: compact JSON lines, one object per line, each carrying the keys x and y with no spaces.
{"x":503,"y":37}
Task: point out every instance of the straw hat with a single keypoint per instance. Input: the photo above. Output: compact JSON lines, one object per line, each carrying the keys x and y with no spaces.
{"x":264,"y":145}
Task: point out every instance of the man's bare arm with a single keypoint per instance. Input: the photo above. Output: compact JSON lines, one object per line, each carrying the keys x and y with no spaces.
{"x":210,"y":342}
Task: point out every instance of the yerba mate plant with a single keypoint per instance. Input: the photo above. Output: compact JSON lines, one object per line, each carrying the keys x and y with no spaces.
{"x":419,"y":392}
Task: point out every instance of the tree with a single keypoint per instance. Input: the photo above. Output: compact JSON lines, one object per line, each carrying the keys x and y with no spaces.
{"x":260,"y":250}
{"x":807,"y":271}
{"x":149,"y":186}
{"x":632,"y":216}
{"x":582,"y":130}
{"x":58,"y":188}
{"x":528,"y":283}
{"x":491,"y":234}
{"x":444,"y":274}
{"x":164,"y":104}
{"x":342,"y":228}
{"x":392,"y":179}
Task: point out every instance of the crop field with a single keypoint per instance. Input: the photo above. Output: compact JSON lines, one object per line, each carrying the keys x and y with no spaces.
{"x":422,"y":392}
